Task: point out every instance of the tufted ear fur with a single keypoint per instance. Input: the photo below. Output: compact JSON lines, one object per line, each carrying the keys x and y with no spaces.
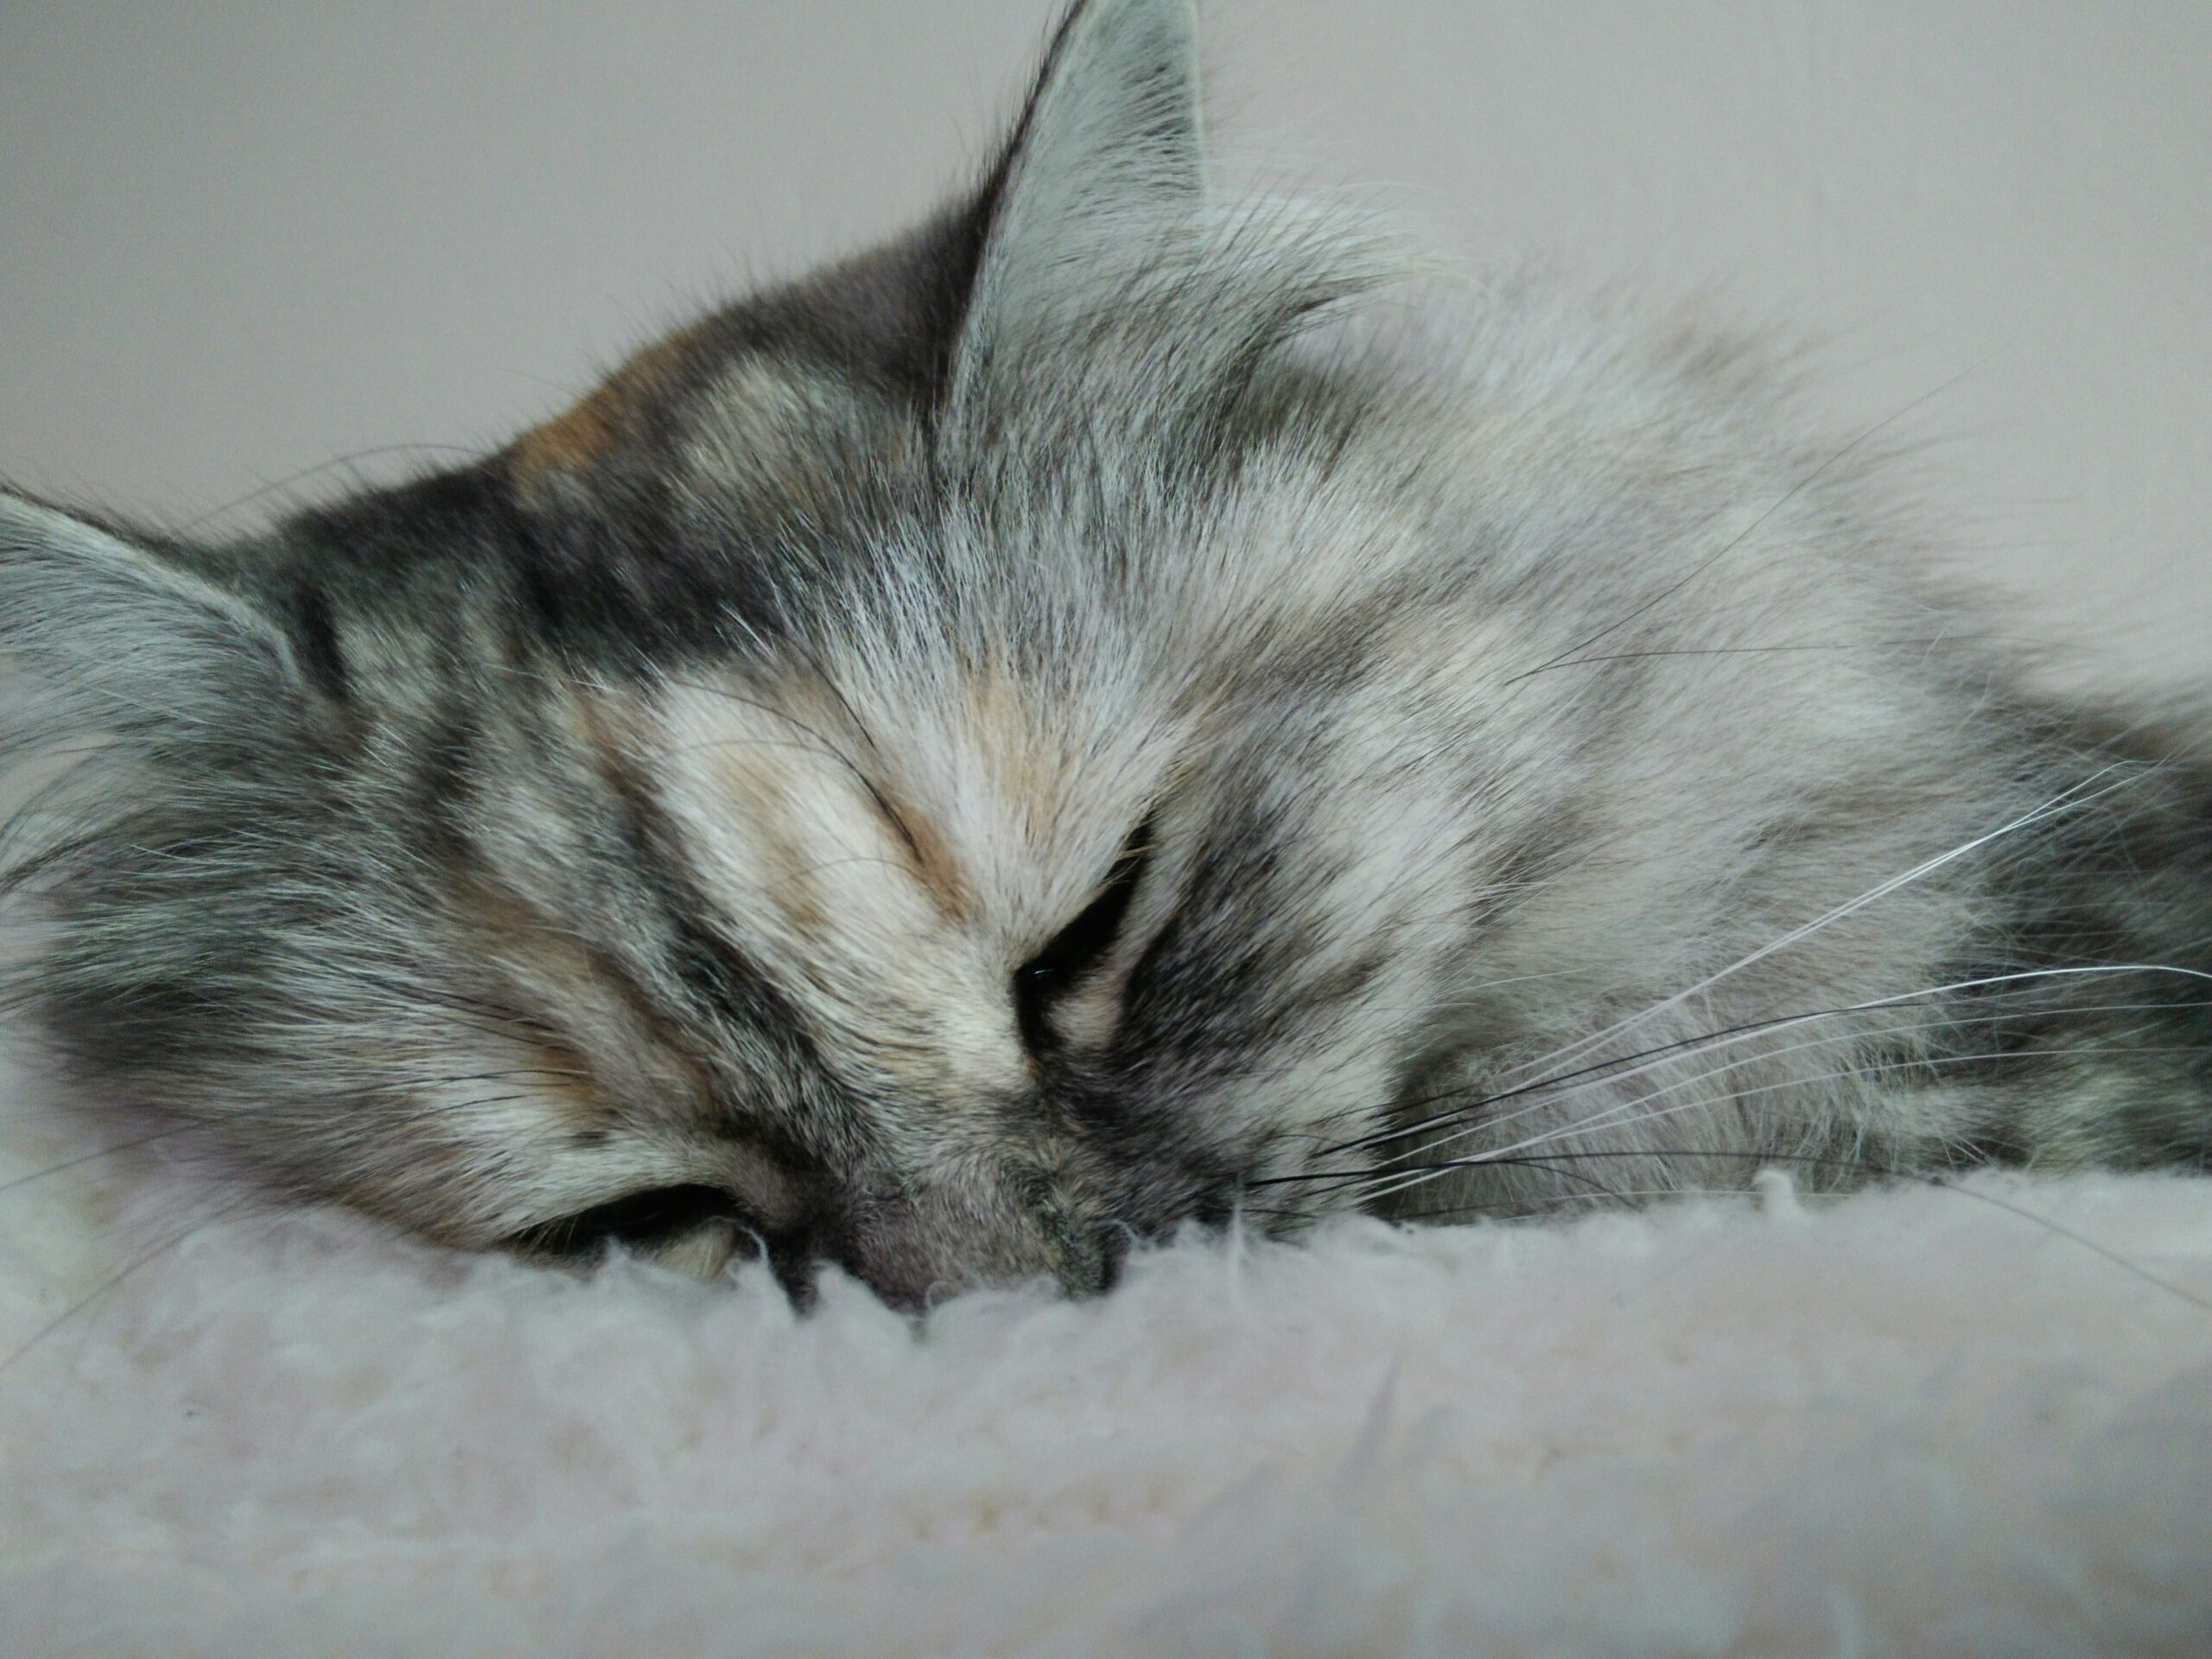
{"x":1110,"y":143}
{"x":1091,"y":280}
{"x":1107,"y":153}
{"x":1107,"y":149}
{"x":119,"y":636}
{"x":1115,"y":289}
{"x":126,"y":654}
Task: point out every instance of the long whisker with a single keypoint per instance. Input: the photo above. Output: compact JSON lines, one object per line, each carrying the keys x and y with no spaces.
{"x":125,"y":1272}
{"x":1658,"y":1054}
{"x":93,"y":1157}
{"x":1766,"y":1055}
{"x":2067,"y":800}
{"x":1612,"y":1121}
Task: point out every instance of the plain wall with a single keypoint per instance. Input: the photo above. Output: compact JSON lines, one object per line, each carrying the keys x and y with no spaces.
{"x":239,"y":239}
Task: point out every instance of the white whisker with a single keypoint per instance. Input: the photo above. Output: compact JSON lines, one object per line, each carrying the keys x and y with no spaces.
{"x":1692,"y":1048}
{"x":2067,"y":800}
{"x":1611,"y":1120}
{"x":1666,"y":1053}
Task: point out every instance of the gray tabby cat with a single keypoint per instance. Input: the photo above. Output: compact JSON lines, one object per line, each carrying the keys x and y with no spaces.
{"x":1079,"y":721}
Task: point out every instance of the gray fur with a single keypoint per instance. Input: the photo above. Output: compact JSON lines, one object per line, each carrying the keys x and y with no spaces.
{"x":1076,"y":723}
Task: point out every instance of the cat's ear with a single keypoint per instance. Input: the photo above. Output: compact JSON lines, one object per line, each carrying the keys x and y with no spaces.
{"x":1113,"y":131}
{"x":1107,"y":158}
{"x":123,"y":637}
{"x":1110,"y":144}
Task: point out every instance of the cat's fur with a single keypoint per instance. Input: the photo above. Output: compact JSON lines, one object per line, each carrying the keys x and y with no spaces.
{"x":1074,"y":722}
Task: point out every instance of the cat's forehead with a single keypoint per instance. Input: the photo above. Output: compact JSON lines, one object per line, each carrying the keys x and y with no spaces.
{"x":984,"y":782}
{"x":787,"y":388}
{"x":720,"y":423}
{"x":890,"y":854}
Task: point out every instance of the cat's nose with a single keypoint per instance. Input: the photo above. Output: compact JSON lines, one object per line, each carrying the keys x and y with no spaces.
{"x":911,"y":1256}
{"x":1087,"y":1256}
{"x":885,"y":1251}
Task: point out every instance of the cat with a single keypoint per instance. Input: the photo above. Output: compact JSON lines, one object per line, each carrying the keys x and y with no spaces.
{"x":1130,"y":706}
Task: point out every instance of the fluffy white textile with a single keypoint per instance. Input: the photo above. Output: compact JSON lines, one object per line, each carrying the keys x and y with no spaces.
{"x":1907,"y":1423}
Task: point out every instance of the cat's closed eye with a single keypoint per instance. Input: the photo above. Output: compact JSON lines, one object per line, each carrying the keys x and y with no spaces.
{"x":685,"y":1225}
{"x":1078,"y":949}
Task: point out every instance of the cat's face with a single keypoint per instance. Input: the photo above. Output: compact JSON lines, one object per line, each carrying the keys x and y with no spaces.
{"x":918,"y":770}
{"x":1016,"y":882}
{"x":1024,"y":909}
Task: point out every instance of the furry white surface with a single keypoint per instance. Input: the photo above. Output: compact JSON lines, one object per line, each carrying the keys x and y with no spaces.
{"x":1910,"y":1422}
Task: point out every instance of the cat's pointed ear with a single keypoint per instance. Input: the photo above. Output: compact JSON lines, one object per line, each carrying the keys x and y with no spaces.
{"x":1109,"y":146}
{"x":120,"y":635}
{"x":1112,"y":141}
{"x":1113,"y":126}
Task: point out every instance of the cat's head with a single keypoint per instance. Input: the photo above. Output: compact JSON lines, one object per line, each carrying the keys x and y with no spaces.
{"x":917,"y":769}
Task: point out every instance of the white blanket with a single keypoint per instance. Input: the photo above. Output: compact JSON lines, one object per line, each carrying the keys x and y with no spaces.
{"x":1912,"y":1422}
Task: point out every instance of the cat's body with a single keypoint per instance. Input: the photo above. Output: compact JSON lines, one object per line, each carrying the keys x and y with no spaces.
{"x":1066,"y":726}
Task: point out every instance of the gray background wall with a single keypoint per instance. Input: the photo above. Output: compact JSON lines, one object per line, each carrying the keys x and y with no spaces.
{"x":241,"y":238}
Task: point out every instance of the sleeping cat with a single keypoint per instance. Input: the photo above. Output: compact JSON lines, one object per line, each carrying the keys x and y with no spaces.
{"x":1129,"y":705}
